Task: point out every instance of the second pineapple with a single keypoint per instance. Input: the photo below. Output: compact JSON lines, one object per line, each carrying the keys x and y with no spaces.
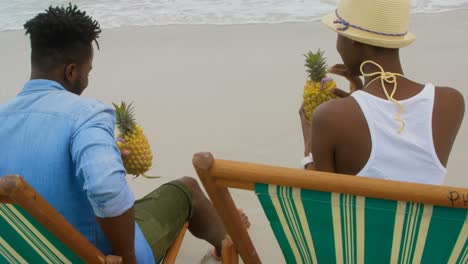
{"x":318,"y":85}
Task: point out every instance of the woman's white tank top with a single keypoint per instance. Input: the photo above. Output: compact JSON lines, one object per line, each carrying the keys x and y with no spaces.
{"x":409,"y":156}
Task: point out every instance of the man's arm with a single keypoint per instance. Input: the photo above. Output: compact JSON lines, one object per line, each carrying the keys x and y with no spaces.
{"x":117,"y":228}
{"x":99,"y":166}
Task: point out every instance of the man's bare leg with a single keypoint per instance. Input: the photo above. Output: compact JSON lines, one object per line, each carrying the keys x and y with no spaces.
{"x":205,"y":222}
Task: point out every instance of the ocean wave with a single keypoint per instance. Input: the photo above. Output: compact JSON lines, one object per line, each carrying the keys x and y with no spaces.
{"x":120,"y":13}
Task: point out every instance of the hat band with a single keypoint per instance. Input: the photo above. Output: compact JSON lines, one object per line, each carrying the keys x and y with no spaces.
{"x":346,"y":25}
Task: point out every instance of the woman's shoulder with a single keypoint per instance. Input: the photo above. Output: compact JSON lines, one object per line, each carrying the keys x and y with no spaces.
{"x":450,"y":100}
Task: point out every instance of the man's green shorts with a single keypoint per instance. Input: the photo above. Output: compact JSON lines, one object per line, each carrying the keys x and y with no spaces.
{"x":162,"y":213}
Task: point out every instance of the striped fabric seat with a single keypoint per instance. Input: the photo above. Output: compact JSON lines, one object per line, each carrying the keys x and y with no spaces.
{"x":24,"y":240}
{"x":324,"y":227}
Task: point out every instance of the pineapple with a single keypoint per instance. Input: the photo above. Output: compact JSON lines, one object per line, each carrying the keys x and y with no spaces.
{"x":132,"y":141}
{"x":316,"y":89}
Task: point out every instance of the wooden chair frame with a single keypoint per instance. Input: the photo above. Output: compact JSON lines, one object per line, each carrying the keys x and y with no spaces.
{"x":15,"y":190}
{"x":218,"y":175}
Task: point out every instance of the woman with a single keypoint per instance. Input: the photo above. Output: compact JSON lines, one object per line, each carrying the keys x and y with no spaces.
{"x":389,"y":127}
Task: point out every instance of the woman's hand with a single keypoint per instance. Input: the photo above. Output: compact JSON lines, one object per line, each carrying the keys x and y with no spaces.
{"x":355,"y":82}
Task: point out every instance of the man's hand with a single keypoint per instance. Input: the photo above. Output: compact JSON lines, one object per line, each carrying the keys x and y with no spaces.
{"x":111,"y":259}
{"x":355,"y":82}
{"x":306,"y":131}
{"x":124,"y":152}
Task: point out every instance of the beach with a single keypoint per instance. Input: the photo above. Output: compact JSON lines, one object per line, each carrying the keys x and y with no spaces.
{"x":235,"y":91}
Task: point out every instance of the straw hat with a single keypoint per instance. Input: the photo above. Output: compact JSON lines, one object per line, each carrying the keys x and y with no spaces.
{"x":382,"y":23}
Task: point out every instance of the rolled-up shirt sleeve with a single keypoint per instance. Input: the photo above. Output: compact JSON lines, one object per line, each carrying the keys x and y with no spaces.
{"x":99,"y":166}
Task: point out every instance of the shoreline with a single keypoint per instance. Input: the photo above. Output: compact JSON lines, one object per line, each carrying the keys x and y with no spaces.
{"x":414,"y":14}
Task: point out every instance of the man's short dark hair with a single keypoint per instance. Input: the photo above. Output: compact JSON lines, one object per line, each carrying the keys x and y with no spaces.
{"x":61,"y":35}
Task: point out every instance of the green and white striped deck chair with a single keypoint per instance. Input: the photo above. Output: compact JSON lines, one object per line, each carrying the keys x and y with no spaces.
{"x":31,"y":231}
{"x":328,"y":218}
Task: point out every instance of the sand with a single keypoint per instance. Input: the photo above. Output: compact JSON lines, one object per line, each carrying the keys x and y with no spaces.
{"x":235,"y":91}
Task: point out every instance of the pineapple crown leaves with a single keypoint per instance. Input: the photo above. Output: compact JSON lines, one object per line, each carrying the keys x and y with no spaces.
{"x":125,"y":117}
{"x":316,"y":65}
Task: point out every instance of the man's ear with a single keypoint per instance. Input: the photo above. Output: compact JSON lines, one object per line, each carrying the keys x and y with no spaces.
{"x":71,"y":73}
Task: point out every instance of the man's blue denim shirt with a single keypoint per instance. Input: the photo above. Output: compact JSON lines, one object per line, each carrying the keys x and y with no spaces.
{"x":63,"y":145}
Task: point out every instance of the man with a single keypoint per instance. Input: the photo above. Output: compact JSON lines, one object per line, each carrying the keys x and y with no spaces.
{"x":389,"y":127}
{"x":64,"y":146}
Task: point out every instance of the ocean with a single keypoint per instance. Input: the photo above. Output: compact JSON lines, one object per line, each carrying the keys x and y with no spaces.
{"x":120,"y":13}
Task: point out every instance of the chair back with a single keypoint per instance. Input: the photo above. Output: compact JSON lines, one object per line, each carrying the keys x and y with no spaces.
{"x":32,"y":231}
{"x":322,"y":217}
